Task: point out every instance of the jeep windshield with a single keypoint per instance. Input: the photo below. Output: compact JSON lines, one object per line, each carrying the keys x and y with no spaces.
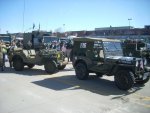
{"x":112,"y":49}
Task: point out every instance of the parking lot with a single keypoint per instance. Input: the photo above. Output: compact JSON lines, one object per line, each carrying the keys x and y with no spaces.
{"x":34,"y":91}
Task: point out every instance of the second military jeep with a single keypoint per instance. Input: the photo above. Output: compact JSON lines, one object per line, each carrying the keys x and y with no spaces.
{"x":31,"y":55}
{"x":105,"y":57}
{"x":136,"y":48}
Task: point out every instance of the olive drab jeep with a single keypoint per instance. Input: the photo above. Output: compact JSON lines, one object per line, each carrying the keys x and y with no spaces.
{"x":105,"y":57}
{"x":31,"y":55}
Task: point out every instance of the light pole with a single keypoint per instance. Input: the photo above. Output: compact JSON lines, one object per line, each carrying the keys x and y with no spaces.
{"x":64,"y":28}
{"x":129,"y":19}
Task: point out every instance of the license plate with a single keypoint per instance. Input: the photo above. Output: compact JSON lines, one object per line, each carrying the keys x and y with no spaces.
{"x":145,"y":75}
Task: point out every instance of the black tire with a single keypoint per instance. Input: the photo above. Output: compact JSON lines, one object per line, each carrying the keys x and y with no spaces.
{"x":18,"y":64}
{"x":61,"y":67}
{"x":50,"y":67}
{"x":30,"y":65}
{"x":142,"y":82}
{"x":81,"y":71}
{"x":99,"y":74}
{"x":2,"y":68}
{"x":124,"y":79}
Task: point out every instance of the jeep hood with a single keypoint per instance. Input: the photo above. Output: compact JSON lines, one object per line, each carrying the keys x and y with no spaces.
{"x":121,"y":59}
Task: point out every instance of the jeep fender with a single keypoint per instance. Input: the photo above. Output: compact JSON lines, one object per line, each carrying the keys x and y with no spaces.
{"x":116,"y":68}
{"x":44,"y":60}
{"x":16,"y":57}
{"x":79,"y":61}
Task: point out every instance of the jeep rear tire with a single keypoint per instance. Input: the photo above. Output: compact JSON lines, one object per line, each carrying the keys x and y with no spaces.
{"x":50,"y":67}
{"x":18,"y":64}
{"x":124,"y":79}
{"x":81,"y":71}
{"x":61,"y":67}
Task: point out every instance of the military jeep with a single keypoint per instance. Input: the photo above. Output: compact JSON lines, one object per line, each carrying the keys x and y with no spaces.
{"x":31,"y":55}
{"x":105,"y":57}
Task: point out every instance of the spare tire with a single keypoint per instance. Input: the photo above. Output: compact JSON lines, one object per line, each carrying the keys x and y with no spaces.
{"x":18,"y":64}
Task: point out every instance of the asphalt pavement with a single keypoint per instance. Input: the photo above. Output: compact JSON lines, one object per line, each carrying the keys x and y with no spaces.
{"x":35,"y":91}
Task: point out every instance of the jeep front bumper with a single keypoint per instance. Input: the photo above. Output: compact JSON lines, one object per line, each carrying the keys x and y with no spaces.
{"x":146,"y":75}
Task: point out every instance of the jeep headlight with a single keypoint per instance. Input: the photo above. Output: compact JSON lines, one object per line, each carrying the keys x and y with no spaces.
{"x":137,"y":63}
{"x":58,"y":55}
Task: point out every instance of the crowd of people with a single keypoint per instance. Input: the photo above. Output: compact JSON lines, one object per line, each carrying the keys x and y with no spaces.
{"x":6,"y":52}
{"x":3,"y":52}
{"x":65,"y":47}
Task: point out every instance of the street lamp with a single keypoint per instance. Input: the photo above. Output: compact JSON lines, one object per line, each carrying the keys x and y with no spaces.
{"x":129,"y":19}
{"x":64,"y":28}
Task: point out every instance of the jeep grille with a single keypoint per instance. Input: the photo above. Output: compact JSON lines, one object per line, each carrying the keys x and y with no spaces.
{"x":139,"y":65}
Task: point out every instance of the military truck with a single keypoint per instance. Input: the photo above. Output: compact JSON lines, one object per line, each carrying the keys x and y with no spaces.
{"x":6,"y":39}
{"x":105,"y":57}
{"x":34,"y":52}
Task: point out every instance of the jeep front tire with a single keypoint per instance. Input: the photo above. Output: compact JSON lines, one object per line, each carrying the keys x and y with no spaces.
{"x":124,"y":79}
{"x":50,"y":67}
{"x":18,"y":64}
{"x":81,"y":71}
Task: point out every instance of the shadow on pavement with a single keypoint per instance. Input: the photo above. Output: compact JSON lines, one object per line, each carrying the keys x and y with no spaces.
{"x":70,"y":82}
{"x":26,"y":71}
{"x":93,"y":84}
{"x":30,"y":72}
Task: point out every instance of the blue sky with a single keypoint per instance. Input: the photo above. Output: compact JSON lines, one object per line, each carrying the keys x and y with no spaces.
{"x":75,"y":14}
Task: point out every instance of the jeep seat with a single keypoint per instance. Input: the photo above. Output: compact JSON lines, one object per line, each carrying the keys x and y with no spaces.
{"x":90,"y":54}
{"x":101,"y":54}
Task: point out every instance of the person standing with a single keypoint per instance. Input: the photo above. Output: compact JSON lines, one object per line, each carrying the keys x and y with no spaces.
{"x":68,"y":49}
{"x":63,"y":49}
{"x":1,"y":56}
{"x":3,"y":52}
{"x":10,"y":53}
